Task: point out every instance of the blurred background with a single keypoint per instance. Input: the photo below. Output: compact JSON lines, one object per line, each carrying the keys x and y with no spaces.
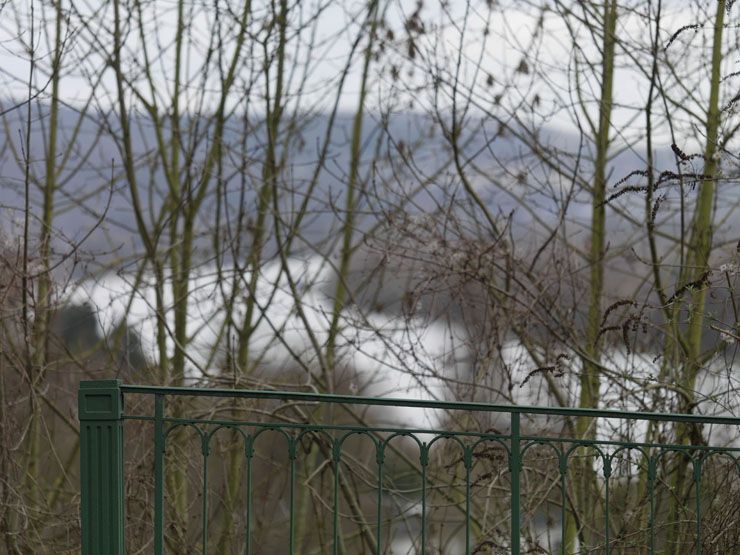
{"x":518,"y":201}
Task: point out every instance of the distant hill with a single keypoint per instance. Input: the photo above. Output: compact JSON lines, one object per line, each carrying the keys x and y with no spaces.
{"x":516,"y":186}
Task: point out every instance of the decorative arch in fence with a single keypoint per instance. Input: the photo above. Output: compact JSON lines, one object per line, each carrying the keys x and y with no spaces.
{"x":351,"y":487}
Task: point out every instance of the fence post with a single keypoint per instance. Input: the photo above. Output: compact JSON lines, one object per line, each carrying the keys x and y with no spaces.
{"x":101,"y":467}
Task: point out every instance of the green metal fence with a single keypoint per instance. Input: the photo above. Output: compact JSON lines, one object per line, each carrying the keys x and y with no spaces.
{"x":485,"y":493}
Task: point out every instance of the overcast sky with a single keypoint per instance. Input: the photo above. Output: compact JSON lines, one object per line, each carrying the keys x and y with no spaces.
{"x":500,"y":51}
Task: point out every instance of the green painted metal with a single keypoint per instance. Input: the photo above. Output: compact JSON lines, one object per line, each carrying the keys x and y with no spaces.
{"x":101,"y":467}
{"x":292,"y":457}
{"x":205,"y":450}
{"x":424,"y":462}
{"x":468,"y":462}
{"x":380,"y":459}
{"x":249,"y":455}
{"x":697,"y":485}
{"x":652,"y":471}
{"x":563,"y":469}
{"x":607,"y":460}
{"x":515,"y":466}
{"x":416,"y":403}
{"x":159,"y":473}
{"x":102,"y":418}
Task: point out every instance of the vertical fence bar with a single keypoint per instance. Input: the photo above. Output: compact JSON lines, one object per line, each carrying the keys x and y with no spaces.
{"x":563,"y":468}
{"x":292,"y":456}
{"x":336,"y":458}
{"x":424,"y":461}
{"x":100,"y":406}
{"x":652,"y":470}
{"x":607,"y":461}
{"x":380,"y":459}
{"x":515,"y":463}
{"x":206,"y":449}
{"x":697,"y":481}
{"x":159,"y":474}
{"x":468,"y":460}
{"x":249,"y":453}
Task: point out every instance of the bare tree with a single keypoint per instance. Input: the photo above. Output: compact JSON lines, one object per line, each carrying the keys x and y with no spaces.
{"x":453,"y":201}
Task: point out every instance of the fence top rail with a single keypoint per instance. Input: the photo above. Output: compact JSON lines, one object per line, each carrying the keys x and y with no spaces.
{"x":418,"y":403}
